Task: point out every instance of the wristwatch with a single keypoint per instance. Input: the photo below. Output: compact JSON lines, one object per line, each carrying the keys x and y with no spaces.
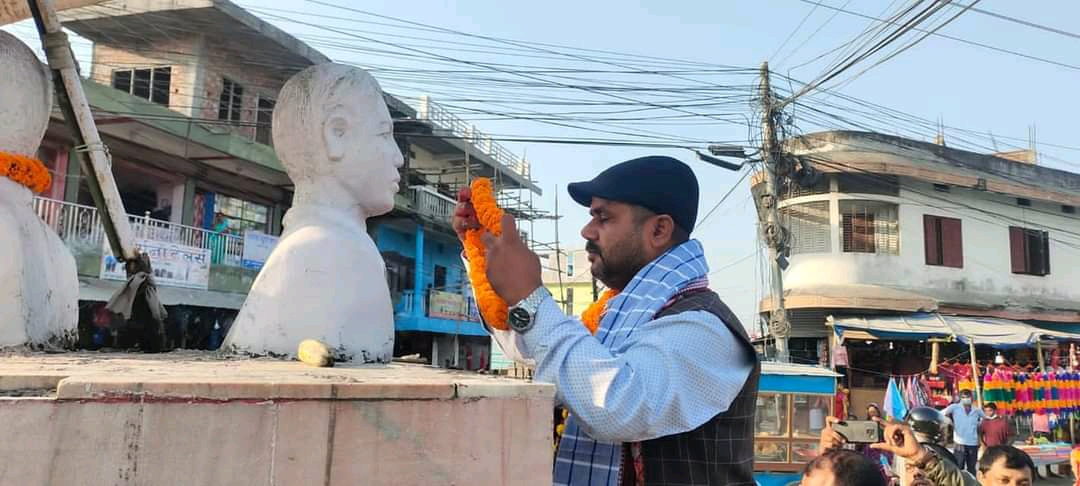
{"x":522,"y":315}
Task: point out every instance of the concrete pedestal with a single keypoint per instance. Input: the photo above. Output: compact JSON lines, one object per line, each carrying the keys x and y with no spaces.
{"x":193,"y":419}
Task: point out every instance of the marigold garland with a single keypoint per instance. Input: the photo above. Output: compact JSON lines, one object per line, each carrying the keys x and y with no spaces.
{"x":24,"y":170}
{"x":491,"y":306}
{"x":593,"y":313}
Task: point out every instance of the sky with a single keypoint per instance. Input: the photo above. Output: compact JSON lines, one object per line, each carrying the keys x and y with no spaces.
{"x":964,"y":86}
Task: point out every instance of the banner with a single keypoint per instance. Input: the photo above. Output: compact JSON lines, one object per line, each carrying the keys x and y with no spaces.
{"x":446,"y":305}
{"x":174,"y":265}
{"x":257,"y":248}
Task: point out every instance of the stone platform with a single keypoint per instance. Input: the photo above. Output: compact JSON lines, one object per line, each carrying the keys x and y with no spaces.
{"x":191,"y":418}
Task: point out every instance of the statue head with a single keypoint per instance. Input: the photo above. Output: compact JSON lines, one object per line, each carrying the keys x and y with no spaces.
{"x":334,"y":135}
{"x":26,"y":102}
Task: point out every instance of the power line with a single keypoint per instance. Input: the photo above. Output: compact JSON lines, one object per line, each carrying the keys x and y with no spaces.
{"x":853,"y":59}
{"x":705,"y":218}
{"x":957,"y":39}
{"x":1027,"y":23}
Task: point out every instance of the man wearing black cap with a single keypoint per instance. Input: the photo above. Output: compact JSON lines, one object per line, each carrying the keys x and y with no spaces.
{"x":664,"y":392}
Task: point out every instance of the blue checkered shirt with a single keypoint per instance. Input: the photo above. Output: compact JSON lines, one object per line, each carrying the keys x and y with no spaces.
{"x":638,"y":378}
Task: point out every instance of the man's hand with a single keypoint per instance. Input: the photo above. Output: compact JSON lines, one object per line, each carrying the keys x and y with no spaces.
{"x":512,"y":269}
{"x":464,"y":218}
{"x":900,"y":441}
{"x":830,"y":439}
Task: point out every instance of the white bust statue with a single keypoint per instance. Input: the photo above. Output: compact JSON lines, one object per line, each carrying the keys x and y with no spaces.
{"x":39,"y":284}
{"x":325,"y":279}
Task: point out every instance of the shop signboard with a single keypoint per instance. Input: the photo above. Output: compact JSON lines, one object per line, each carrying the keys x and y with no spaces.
{"x":174,"y":265}
{"x":257,"y":248}
{"x":446,"y":305}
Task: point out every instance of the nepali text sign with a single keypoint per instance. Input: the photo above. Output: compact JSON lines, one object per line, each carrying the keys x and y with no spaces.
{"x":257,"y":248}
{"x":445,"y":305}
{"x":174,"y":265}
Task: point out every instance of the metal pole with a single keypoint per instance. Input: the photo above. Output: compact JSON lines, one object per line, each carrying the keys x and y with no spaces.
{"x":93,"y":154}
{"x":779,"y":326}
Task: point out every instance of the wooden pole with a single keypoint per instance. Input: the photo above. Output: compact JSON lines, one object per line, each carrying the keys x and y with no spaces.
{"x":93,"y":154}
{"x":935,"y":356}
{"x":1039,"y":355}
{"x":975,"y":372}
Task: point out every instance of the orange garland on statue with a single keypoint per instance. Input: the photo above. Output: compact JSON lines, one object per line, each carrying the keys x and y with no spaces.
{"x":24,"y":170}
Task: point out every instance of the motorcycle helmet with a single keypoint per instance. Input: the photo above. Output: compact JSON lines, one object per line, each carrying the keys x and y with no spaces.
{"x":928,"y":424}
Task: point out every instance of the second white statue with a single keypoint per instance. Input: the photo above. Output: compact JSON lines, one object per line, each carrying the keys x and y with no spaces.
{"x":325,"y":279}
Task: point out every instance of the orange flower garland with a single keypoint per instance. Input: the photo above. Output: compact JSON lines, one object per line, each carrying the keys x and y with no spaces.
{"x":593,"y":313}
{"x":24,"y":170}
{"x":491,"y":306}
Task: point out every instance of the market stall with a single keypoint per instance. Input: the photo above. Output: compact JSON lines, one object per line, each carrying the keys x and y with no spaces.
{"x":793,"y":401}
{"x":1029,"y":372}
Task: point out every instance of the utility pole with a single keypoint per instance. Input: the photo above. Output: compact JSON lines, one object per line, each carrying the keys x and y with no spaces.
{"x":772,"y":232}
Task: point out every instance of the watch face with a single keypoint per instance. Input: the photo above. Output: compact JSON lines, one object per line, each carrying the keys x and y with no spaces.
{"x":518,"y":318}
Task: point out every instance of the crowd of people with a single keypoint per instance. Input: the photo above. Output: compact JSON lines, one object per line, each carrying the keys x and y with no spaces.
{"x":911,"y":453}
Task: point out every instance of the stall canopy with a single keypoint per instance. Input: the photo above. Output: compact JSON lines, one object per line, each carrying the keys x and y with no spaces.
{"x":1000,"y":333}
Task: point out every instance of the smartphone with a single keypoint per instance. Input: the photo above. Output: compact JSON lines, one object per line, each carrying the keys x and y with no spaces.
{"x":858,"y":431}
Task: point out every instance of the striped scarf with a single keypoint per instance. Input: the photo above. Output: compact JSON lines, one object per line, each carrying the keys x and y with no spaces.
{"x":581,"y":460}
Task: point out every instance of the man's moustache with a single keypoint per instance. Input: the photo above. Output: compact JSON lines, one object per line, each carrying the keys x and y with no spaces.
{"x":592,"y":248}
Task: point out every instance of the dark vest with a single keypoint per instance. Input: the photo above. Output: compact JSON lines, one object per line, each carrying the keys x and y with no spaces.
{"x":720,"y":452}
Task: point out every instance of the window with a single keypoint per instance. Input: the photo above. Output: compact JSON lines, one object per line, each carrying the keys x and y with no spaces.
{"x":1030,"y":251}
{"x":399,"y":272}
{"x":569,"y":299}
{"x":570,"y":264}
{"x":242,"y":215}
{"x":944,"y":241}
{"x":941,"y":187}
{"x":230,"y":103}
{"x":790,"y":188}
{"x":808,"y":225}
{"x":1068,"y":209}
{"x":869,"y":227}
{"x":866,"y":183}
{"x":787,"y":427}
{"x":772,"y":415}
{"x":808,"y":415}
{"x":147,"y":83}
{"x":1023,"y":202}
{"x":263,"y":119}
{"x":439,"y":280}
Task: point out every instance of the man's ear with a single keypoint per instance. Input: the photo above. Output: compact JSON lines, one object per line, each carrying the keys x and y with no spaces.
{"x":662,"y":228}
{"x":335,"y":131}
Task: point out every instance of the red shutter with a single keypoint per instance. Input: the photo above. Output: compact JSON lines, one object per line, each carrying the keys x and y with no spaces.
{"x":930,"y":239}
{"x":1017,"y":249}
{"x":952,"y":243}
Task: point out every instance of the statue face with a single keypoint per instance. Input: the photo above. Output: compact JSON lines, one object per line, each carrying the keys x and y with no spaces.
{"x":369,"y":156}
{"x":27,"y":97}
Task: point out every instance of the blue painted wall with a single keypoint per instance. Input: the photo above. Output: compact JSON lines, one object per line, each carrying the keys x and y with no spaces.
{"x":438,"y":249}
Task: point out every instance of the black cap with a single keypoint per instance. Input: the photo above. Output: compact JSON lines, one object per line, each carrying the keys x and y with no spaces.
{"x":660,"y":184}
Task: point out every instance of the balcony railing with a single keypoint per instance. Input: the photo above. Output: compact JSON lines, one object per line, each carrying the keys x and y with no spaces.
{"x":446,"y":120}
{"x":79,"y":224}
{"x":431,"y":204}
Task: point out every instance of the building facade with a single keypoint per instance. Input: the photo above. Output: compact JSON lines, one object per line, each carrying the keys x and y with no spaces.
{"x":186,"y":114}
{"x":896,"y":228}
{"x":569,"y":279}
